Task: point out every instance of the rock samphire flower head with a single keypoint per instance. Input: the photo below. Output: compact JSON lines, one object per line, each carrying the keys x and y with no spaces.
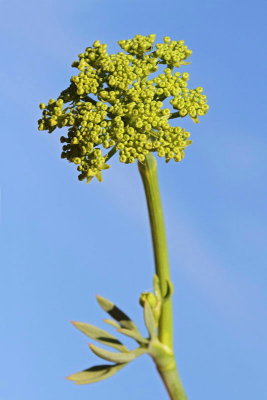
{"x":113,"y":105}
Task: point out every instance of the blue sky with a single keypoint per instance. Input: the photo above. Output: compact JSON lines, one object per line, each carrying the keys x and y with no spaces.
{"x":65,"y":241}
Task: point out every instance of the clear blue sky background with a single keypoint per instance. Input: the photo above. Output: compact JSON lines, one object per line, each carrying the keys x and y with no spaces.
{"x":65,"y":241}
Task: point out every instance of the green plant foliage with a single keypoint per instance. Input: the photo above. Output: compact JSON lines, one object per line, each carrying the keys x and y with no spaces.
{"x":100,"y":336}
{"x":151,"y":307}
{"x":95,"y":374}
{"x":114,"y":105}
{"x":112,"y":323}
{"x":116,"y":313}
{"x":150,"y":321}
{"x":117,"y":357}
{"x":134,"y":335}
{"x":155,"y":299}
{"x":124,"y":356}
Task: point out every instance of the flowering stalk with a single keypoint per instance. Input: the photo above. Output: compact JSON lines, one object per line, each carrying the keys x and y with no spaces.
{"x":114,"y":105}
{"x":148,"y":171}
{"x":164,"y":356}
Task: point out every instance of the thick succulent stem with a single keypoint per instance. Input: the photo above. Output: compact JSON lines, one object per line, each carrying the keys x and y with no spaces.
{"x":172,"y":383}
{"x":162,"y":352}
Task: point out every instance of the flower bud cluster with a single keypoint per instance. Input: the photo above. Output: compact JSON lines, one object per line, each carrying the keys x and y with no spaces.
{"x":172,"y":53}
{"x":191,"y":102}
{"x":112,"y":104}
{"x":138,"y":45}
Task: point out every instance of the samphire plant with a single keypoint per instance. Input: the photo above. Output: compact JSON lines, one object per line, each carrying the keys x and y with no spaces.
{"x":114,"y":105}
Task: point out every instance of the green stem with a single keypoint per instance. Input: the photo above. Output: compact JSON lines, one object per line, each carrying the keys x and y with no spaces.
{"x":172,"y":383}
{"x":148,"y":171}
{"x":110,"y":153}
{"x":162,"y":352}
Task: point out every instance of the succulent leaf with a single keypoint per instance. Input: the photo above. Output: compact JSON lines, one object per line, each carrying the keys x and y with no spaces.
{"x":150,"y":321}
{"x":112,"y":323}
{"x":134,"y":335}
{"x":116,"y":313}
{"x":100,"y":335}
{"x":95,"y":374}
{"x":120,"y":358}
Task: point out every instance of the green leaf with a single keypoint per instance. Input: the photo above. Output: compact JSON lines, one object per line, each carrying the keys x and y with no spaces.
{"x":100,"y":335}
{"x":120,"y":358}
{"x":116,"y":313}
{"x":112,"y":323}
{"x":150,"y":321}
{"x":95,"y":374}
{"x":134,"y":335}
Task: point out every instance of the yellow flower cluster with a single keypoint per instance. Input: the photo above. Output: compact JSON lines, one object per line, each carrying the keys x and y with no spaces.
{"x":138,"y":45}
{"x":112,"y":104}
{"x":172,"y":53}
